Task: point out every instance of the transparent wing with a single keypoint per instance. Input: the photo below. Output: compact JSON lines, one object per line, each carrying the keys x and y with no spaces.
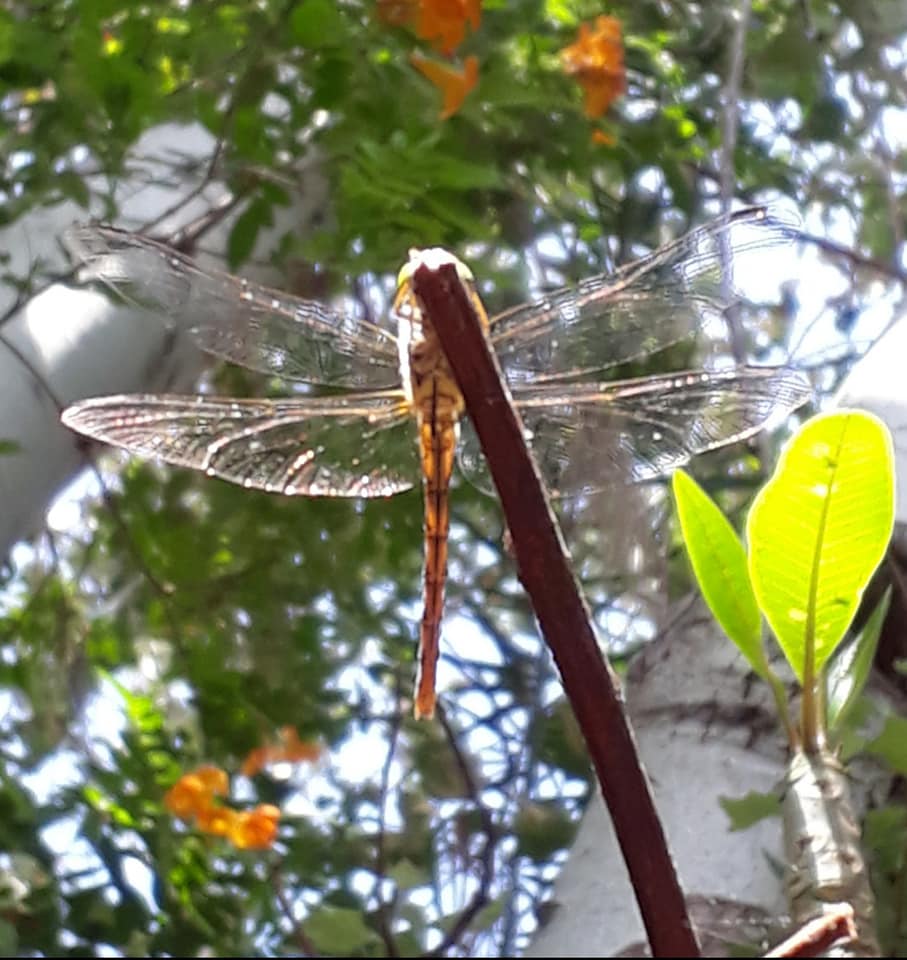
{"x":263,"y":329}
{"x":361,"y":446}
{"x":589,"y":437}
{"x":645,"y":307}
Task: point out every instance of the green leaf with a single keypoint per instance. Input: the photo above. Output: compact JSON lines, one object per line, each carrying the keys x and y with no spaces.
{"x":542,"y":829}
{"x":8,"y":447}
{"x":849,"y":670}
{"x":242,"y":238}
{"x":490,"y":913}
{"x":407,"y":875}
{"x":338,"y":930}
{"x":317,"y":23}
{"x":560,"y":11}
{"x":8,"y":38}
{"x":719,"y":562}
{"x":891,"y":744}
{"x":818,"y":530}
{"x":884,"y":834}
{"x":744,"y":811}
{"x":9,"y":939}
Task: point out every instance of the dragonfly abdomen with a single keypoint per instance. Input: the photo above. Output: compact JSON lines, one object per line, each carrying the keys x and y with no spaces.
{"x":437,"y":441}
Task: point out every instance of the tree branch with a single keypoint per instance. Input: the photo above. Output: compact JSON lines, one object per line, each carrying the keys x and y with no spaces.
{"x":544,"y":569}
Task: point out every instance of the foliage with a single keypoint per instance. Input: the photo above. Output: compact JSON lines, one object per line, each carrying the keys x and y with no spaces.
{"x":182,"y":622}
{"x":836,"y":477}
{"x":816,"y":532}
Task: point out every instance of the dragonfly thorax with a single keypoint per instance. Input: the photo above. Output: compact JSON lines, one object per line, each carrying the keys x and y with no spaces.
{"x":422,"y":362}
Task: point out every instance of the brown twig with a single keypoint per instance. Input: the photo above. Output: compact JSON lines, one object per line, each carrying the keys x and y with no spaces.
{"x":854,"y":257}
{"x":383,"y":913}
{"x":815,"y":938}
{"x":303,"y":942}
{"x":479,"y":899}
{"x":545,"y":572}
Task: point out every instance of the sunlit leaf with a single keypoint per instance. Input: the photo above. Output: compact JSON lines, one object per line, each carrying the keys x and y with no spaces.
{"x":719,"y":562}
{"x":818,"y":530}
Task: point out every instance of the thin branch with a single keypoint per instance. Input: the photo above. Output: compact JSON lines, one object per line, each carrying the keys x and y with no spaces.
{"x":728,"y":180}
{"x":486,"y":856}
{"x":544,"y":568}
{"x":207,"y":178}
{"x":383,"y":912}
{"x":304,"y":944}
{"x":854,"y":257}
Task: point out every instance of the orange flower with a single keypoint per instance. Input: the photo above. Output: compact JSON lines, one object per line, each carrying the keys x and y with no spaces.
{"x":454,"y":84}
{"x":255,"y":761}
{"x":289,"y":749}
{"x":217,"y":820}
{"x":194,"y":791}
{"x":441,"y":22}
{"x":597,"y":62}
{"x":193,"y":796}
{"x":295,"y":749}
{"x":213,"y":779}
{"x":255,"y":829}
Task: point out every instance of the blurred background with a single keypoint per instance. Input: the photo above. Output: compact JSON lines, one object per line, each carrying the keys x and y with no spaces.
{"x":154,"y":622}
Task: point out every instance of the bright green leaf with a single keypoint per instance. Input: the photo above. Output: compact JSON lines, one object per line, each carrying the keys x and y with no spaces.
{"x":561,"y":12}
{"x":818,"y":530}
{"x":719,"y":562}
{"x":849,"y":670}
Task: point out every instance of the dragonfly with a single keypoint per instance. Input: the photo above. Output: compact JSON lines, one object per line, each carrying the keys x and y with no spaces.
{"x":394,"y":416}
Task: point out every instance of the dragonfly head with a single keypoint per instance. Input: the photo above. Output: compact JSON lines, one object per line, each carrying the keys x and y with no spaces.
{"x":432,"y":257}
{"x":406,"y":308}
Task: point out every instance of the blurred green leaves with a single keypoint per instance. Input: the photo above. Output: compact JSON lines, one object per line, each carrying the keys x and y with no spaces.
{"x":184,"y":620}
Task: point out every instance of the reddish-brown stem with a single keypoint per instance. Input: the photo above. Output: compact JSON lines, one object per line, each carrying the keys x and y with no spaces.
{"x":545,"y":571}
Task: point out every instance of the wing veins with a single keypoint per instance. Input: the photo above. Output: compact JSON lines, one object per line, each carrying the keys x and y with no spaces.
{"x":235,"y":319}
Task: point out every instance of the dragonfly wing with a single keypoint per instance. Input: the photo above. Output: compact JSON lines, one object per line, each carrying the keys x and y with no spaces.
{"x":643,"y":308}
{"x":590,"y":437}
{"x":231,"y":318}
{"x":358,"y":446}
